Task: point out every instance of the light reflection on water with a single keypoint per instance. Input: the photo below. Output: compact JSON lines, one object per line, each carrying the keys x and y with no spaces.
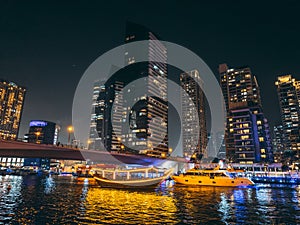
{"x":68,"y":200}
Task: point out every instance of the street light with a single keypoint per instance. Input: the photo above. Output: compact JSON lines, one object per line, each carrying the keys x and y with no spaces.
{"x":70,"y":130}
{"x":37,"y":134}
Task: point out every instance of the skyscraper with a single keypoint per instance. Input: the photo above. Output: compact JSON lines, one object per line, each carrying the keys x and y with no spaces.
{"x":106,"y":118}
{"x":247,"y":135}
{"x":279,"y":141}
{"x":145,"y":124}
{"x":11,"y":107}
{"x":194,"y":131}
{"x":288,"y":90}
{"x":94,"y":141}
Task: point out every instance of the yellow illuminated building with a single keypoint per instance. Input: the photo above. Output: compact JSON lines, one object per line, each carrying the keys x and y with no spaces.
{"x":11,"y":106}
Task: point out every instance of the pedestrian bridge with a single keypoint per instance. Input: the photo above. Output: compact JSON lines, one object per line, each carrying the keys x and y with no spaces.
{"x":17,"y":149}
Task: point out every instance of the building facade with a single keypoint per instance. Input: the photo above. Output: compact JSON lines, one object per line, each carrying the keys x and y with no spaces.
{"x":194,"y":131}
{"x":288,"y":91}
{"x":247,"y":136}
{"x":146,"y":111}
{"x":279,"y":141}
{"x":106,"y":118}
{"x":42,"y":132}
{"x":133,"y":119}
{"x":11,"y":106}
{"x":94,"y":141}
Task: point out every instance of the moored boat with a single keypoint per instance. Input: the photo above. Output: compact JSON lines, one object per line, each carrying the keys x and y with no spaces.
{"x":131,"y":178}
{"x":212,"y":177}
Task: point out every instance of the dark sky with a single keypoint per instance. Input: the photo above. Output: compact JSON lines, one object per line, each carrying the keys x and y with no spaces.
{"x":47,"y":45}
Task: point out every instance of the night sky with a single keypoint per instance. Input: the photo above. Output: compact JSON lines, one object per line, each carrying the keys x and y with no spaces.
{"x":47,"y":45}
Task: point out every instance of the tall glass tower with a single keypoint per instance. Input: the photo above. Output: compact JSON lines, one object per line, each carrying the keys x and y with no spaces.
{"x":194,"y":131}
{"x":145,"y":124}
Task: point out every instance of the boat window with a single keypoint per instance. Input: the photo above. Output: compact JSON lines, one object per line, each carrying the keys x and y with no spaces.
{"x":189,"y":173}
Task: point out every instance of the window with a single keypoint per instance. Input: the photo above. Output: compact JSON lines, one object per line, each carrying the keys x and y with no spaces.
{"x":261,"y":139}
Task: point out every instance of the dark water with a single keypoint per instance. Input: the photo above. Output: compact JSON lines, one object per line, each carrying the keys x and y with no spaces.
{"x":67,"y":200}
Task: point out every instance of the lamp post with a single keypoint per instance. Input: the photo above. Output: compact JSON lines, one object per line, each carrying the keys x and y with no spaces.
{"x":70,"y":130}
{"x":170,"y":150}
{"x":37,"y":134}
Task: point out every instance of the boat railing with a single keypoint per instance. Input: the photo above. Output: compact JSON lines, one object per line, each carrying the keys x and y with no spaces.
{"x":273,"y":174}
{"x":121,"y":174}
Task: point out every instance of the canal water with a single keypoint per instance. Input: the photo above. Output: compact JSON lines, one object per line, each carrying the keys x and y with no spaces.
{"x":69,"y":200}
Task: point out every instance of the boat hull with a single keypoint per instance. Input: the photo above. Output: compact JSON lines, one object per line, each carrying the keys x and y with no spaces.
{"x":216,"y":181}
{"x":128,"y":184}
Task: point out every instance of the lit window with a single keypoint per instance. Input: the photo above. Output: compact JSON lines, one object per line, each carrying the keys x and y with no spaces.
{"x":261,"y":139}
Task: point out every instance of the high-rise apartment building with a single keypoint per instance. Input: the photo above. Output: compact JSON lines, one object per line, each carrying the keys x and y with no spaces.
{"x":11,"y":107}
{"x":148,"y":117}
{"x":288,"y":90}
{"x":247,"y":135}
{"x":134,"y":119}
{"x":194,"y":131}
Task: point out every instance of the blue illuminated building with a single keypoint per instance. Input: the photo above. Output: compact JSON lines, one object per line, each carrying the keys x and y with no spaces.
{"x":41,"y":132}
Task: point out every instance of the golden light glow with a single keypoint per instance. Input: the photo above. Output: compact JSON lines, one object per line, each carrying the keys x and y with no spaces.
{"x":145,"y":207}
{"x":70,"y":129}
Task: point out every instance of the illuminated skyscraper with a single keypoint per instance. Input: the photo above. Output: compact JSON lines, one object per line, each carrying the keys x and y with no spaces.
{"x":145,"y":124}
{"x":117,"y":116}
{"x":247,"y":135}
{"x":288,"y":90}
{"x":279,"y":141}
{"x":11,"y":107}
{"x":194,"y":132}
{"x":94,"y":141}
{"x":106,"y":118}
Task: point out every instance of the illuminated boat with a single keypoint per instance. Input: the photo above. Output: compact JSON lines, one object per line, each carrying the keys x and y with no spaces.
{"x":131,"y":178}
{"x":212,"y":177}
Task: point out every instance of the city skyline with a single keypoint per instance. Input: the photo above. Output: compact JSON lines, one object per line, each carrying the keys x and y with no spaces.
{"x":55,"y":59}
{"x":157,"y":112}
